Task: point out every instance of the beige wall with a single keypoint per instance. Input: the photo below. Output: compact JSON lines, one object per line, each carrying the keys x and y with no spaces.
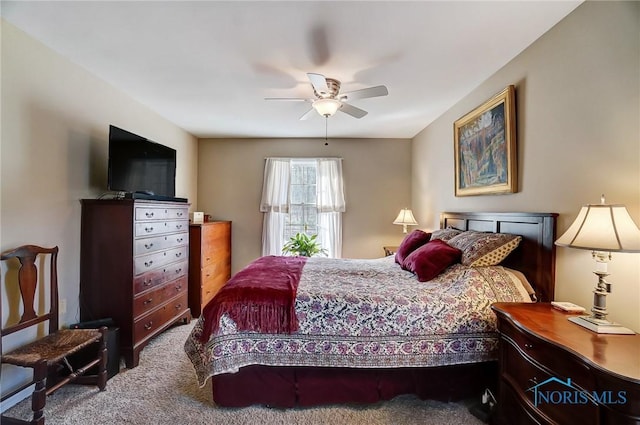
{"x":55,"y":119}
{"x":377,"y":185}
{"x":578,"y":101}
{"x":578,"y":118}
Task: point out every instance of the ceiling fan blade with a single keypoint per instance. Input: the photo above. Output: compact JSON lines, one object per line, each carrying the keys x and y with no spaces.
{"x":364,"y":93}
{"x":319,"y":82}
{"x":308,"y":114}
{"x":352,"y":110}
{"x":294,"y":99}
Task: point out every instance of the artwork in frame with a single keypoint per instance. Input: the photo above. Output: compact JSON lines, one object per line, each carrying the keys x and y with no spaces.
{"x":485,"y":147}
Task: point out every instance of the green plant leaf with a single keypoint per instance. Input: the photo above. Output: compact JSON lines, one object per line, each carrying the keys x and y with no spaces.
{"x":303,"y":245}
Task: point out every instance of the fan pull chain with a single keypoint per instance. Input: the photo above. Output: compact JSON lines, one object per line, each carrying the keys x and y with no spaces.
{"x":326,"y":129}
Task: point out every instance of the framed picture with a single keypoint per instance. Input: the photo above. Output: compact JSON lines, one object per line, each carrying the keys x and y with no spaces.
{"x":485,"y":147}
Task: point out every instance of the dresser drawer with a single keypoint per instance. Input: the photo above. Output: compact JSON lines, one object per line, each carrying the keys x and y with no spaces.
{"x":211,"y":284}
{"x":149,"y":324}
{"x":145,"y":263}
{"x":544,"y":391}
{"x":544,"y":353}
{"x":159,"y":276}
{"x":512,"y":411}
{"x":151,"y":212}
{"x":158,"y":243}
{"x":154,"y":228}
{"x":215,"y":270}
{"x":215,"y":257}
{"x":215,"y":245}
{"x":148,"y":301}
{"x":621,"y":413}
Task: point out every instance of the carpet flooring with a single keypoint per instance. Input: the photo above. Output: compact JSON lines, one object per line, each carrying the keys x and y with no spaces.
{"x":163,"y":390}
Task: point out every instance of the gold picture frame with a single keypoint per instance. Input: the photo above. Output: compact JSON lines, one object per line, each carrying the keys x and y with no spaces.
{"x":485,"y":147}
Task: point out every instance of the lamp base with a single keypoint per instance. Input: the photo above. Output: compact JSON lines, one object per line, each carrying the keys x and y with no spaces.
{"x":600,"y":326}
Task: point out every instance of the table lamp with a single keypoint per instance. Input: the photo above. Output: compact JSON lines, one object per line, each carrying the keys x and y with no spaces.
{"x":406,"y":218}
{"x":602,"y":229}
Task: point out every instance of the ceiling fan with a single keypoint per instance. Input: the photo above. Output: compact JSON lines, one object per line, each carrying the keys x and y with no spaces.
{"x":328,"y":100}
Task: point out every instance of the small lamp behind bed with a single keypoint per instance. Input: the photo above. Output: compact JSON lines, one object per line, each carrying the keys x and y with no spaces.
{"x":602,"y":229}
{"x":406,"y":218}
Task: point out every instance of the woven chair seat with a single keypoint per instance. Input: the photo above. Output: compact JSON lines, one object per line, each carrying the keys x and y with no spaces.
{"x":52,"y":348}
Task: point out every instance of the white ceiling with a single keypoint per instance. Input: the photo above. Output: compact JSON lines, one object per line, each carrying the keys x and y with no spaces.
{"x":208,"y":65}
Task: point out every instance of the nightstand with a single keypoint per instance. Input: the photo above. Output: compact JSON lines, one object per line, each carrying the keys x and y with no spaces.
{"x":389,"y":250}
{"x":553,"y":371}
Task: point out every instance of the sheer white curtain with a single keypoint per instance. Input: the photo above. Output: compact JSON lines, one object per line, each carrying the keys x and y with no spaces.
{"x":331,"y":205}
{"x":275,"y":204}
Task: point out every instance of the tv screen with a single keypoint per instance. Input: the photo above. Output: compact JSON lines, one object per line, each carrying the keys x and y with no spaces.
{"x":138,"y":165}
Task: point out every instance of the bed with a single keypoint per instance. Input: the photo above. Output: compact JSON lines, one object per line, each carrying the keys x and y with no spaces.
{"x":372,"y":331}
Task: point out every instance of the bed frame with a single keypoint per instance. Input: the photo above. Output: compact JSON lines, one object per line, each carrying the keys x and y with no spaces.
{"x":308,"y":386}
{"x":536,"y":254}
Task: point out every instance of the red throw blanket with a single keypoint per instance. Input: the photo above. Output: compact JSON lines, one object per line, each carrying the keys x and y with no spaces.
{"x":261,"y":297}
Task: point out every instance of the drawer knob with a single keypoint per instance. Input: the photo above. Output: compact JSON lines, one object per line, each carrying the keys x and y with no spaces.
{"x":178,"y":306}
{"x":179,"y":214}
{"x":148,"y":229}
{"x":148,"y":263}
{"x":178,"y":287}
{"x":178,"y":226}
{"x":148,"y":326}
{"x":148,"y":245}
{"x":149,"y":214}
{"x":148,"y":301}
{"x":178,"y":270}
{"x":180,"y":240}
{"x":178,"y":254}
{"x":528,"y":346}
{"x":147,"y":282}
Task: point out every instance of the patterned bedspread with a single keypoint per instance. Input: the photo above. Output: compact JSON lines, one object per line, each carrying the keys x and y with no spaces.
{"x":373,"y":314}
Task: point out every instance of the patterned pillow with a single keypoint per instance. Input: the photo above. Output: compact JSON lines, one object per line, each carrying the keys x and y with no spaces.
{"x":431,"y":259}
{"x":410,"y":243}
{"x":484,"y":249}
{"x":445,"y":234}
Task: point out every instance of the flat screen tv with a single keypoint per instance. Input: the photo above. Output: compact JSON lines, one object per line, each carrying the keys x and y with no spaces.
{"x":140,"y":166}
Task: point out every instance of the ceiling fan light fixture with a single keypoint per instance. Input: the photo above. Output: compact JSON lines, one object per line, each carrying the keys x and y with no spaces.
{"x":326,"y":107}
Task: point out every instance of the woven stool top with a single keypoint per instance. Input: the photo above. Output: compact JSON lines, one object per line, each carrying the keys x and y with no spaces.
{"x":52,"y":348}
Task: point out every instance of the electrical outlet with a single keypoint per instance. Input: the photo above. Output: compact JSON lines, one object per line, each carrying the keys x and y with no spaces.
{"x":63,"y":306}
{"x":488,"y":397}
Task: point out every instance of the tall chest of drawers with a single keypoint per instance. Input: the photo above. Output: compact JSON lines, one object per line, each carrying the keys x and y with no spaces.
{"x":134,"y":262}
{"x":210,"y":262}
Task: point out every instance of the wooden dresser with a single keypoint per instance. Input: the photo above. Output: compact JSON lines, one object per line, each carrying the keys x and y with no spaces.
{"x":553,"y":371}
{"x":209,"y":262}
{"x":134,"y":267}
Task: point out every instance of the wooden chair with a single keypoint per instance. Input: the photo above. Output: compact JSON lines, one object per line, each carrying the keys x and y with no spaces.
{"x":47,"y":356}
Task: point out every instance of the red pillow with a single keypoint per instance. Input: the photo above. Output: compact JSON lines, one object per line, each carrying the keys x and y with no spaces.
{"x":431,"y":259}
{"x":410,"y":243}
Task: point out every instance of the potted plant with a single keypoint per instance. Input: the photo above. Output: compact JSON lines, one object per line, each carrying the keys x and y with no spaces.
{"x":303,"y":245}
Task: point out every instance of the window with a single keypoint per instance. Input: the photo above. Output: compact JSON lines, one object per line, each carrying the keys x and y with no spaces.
{"x":302,"y":196}
{"x":303,"y":209}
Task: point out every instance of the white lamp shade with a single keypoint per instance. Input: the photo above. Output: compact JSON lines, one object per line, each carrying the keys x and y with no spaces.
{"x":326,"y":107}
{"x":405,"y":217}
{"x":602,"y":227}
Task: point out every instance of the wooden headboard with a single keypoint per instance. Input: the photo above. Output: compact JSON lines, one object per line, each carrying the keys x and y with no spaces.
{"x":536,"y":254}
